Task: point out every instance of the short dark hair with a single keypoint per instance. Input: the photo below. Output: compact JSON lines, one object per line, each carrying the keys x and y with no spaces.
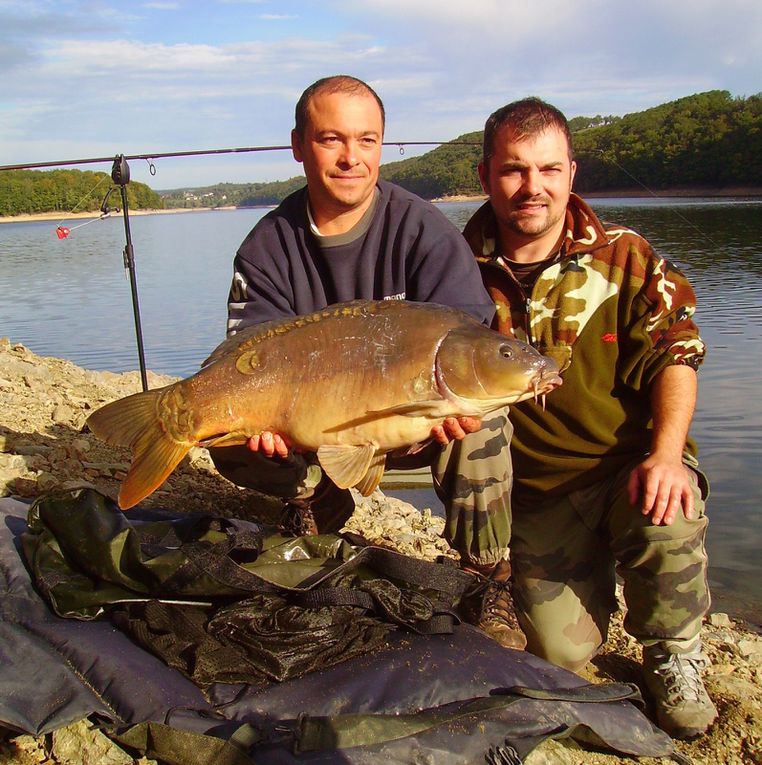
{"x":527,"y":117}
{"x":339,"y":83}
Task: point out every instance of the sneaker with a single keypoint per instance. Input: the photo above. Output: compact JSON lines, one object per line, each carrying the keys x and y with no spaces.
{"x":489,"y":606}
{"x":683,"y":707}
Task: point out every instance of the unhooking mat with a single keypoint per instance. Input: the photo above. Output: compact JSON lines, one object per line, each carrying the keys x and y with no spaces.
{"x":450,"y":699}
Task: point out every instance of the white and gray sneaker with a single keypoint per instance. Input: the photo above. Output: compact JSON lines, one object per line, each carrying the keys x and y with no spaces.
{"x":683,"y":707}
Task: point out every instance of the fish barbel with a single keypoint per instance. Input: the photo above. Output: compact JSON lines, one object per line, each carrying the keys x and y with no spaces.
{"x":351,"y":383}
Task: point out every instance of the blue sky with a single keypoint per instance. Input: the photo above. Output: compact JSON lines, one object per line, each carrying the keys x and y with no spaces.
{"x":93,"y":79}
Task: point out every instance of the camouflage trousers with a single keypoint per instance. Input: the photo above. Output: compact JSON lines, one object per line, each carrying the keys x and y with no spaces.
{"x":472,"y":478}
{"x":565,"y":552}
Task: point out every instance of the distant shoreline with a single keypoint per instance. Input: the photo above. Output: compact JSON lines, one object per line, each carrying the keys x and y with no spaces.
{"x":727,"y":193}
{"x":61,"y":217}
{"x":731,"y":192}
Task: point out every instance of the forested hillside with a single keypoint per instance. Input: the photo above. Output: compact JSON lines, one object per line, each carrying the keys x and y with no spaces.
{"x":67,"y":191}
{"x":448,"y":170}
{"x":706,"y":141}
{"x":709,"y":140}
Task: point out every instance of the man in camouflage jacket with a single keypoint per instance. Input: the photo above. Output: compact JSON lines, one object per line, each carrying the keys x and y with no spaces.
{"x":605,"y":474}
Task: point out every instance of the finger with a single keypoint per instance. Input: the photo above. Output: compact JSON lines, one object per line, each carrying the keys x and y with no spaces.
{"x":682,"y":501}
{"x":650,"y":498}
{"x":439,"y":435}
{"x":453,"y":429}
{"x":470,"y":424}
{"x":633,"y":488}
{"x":657,"y":510}
{"x":654,"y":503}
{"x":689,"y":508}
{"x":672,"y":509}
{"x":281,"y":448}
{"x":266,"y":443}
{"x":253,"y":443}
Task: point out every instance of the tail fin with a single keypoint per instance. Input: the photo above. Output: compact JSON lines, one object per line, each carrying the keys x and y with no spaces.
{"x":134,"y":422}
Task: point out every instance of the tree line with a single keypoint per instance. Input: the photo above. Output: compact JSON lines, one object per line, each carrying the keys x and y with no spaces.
{"x":24,"y":192}
{"x":706,"y":141}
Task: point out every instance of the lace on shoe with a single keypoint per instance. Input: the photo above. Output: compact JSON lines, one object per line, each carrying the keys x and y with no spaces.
{"x":492,"y":610}
{"x":683,"y":707}
{"x":297,"y":519}
{"x":681,"y":673}
{"x":498,"y":604}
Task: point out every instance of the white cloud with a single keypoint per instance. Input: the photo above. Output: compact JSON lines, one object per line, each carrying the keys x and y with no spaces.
{"x":84,"y":78}
{"x":547,"y":43}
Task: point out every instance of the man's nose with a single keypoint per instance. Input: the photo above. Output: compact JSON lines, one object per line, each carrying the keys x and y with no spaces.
{"x":532,"y":181}
{"x":348,"y":155}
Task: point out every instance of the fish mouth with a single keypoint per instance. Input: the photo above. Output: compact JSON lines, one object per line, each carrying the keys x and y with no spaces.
{"x":543,"y":383}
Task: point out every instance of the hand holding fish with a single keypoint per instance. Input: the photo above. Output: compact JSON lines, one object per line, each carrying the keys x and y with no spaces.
{"x":452,"y":429}
{"x":455,"y":429}
{"x":270,"y":444}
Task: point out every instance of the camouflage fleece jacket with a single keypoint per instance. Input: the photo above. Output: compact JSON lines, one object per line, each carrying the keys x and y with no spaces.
{"x":613,"y":314}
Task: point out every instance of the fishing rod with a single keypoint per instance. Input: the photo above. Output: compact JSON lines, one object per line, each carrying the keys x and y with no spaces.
{"x":203,"y":152}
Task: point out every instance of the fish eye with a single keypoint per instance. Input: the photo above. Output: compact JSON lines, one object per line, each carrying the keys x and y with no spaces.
{"x":506,"y":352}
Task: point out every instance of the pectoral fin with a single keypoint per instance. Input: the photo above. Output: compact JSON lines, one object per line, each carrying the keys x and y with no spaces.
{"x":346,"y":465}
{"x":370,"y":481}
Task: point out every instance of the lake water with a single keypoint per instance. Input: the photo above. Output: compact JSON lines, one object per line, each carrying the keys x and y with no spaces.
{"x":71,"y":298}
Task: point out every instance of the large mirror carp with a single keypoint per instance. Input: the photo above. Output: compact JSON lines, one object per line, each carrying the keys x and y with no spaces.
{"x":351,"y":383}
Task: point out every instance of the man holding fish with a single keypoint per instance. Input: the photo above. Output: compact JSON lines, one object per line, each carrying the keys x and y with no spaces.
{"x":345,"y":236}
{"x":606,"y":475}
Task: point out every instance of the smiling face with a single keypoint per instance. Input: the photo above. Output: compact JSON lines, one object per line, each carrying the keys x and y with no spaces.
{"x":341,"y":152}
{"x":529,"y":180}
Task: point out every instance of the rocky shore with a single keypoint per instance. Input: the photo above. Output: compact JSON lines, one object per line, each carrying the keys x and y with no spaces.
{"x":43,"y":406}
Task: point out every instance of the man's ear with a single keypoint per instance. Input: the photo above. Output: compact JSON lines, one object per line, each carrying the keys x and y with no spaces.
{"x":483,"y":177}
{"x":296,"y":146}
{"x":573,"y":169}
